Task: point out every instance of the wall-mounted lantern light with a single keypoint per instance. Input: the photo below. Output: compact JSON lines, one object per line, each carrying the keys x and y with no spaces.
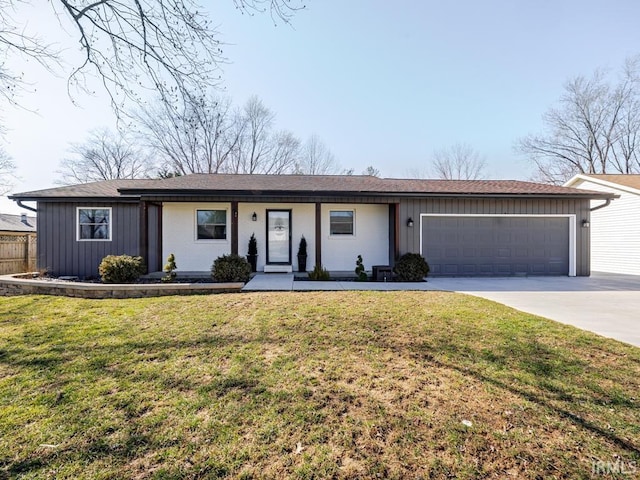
{"x":585,"y":223}
{"x":410,"y":222}
{"x":254,"y":217}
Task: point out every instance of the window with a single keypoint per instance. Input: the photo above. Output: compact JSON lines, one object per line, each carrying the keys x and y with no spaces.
{"x":212,"y":224}
{"x":341,"y":222}
{"x":94,"y":224}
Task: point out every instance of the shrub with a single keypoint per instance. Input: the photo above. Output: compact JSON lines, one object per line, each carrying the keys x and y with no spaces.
{"x":362,"y":275}
{"x":319,"y":274}
{"x":231,"y":268}
{"x":121,"y":268}
{"x":411,"y":267}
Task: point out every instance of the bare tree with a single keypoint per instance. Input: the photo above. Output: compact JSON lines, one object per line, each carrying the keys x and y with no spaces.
{"x":458,"y":162}
{"x":595,"y":128}
{"x":316,"y":159}
{"x":131,"y":46}
{"x":195,"y":138}
{"x":286,"y":148}
{"x":370,"y":170}
{"x":255,"y":145}
{"x":210,"y":136}
{"x":104,"y":156}
{"x":7,"y":168}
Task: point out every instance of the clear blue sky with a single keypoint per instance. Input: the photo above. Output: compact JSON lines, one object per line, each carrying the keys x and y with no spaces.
{"x":382,"y":83}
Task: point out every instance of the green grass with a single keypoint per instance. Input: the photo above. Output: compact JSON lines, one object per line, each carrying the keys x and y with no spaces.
{"x":308,"y":385}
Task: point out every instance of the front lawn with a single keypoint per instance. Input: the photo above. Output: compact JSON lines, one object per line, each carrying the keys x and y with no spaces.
{"x":310,"y":385}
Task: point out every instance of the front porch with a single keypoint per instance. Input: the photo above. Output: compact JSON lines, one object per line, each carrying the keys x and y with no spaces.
{"x":198,"y":232}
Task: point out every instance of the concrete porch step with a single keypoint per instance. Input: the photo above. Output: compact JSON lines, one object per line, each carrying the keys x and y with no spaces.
{"x":278,"y":269}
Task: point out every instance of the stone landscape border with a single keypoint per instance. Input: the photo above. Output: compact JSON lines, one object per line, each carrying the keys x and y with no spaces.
{"x":10,"y":285}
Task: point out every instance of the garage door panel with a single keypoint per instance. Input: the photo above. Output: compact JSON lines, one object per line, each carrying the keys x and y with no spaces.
{"x":496,"y":245}
{"x":522,"y":252}
{"x":469,"y":269}
{"x":469,"y":252}
{"x":520,"y":268}
{"x":451,"y":269}
{"x":537,"y":269}
{"x":503,"y":269}
{"x":435,"y":269}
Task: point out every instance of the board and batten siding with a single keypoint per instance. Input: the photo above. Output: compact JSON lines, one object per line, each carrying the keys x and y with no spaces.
{"x":59,"y":251}
{"x":409,"y":239}
{"x":615,"y":231}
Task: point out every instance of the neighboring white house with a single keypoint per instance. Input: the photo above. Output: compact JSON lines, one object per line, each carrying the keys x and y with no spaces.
{"x":615,"y":229}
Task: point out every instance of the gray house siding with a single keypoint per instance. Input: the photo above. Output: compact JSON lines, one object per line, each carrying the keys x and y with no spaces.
{"x":61,"y":254}
{"x":409,"y":239}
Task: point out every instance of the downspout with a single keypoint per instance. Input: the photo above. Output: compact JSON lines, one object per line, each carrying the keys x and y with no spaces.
{"x":606,"y":203}
{"x":26,"y":207}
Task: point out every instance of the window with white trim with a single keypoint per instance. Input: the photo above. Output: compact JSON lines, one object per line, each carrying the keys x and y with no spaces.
{"x":94,"y":224}
{"x":341,"y":222}
{"x":211,"y":224}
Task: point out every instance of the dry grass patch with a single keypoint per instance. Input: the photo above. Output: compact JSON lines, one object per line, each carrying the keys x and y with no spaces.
{"x":308,"y":385}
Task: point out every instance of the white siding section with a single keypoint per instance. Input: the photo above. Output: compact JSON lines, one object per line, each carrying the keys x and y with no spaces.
{"x":370,"y":239}
{"x":302,"y":221}
{"x":615,"y":231}
{"x":179,"y":236}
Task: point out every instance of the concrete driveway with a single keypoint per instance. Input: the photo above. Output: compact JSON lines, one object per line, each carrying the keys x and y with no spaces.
{"x":607,"y":304}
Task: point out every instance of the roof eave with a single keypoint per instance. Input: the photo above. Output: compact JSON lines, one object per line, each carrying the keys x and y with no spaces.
{"x":599,"y":181}
{"x":333,"y":193}
{"x":31,"y":198}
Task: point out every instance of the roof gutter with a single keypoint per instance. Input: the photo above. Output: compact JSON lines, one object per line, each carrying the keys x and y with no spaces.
{"x":26,"y":207}
{"x":606,"y":203}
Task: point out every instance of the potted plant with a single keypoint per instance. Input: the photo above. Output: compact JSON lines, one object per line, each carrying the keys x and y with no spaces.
{"x":252,"y":254}
{"x":302,"y":255}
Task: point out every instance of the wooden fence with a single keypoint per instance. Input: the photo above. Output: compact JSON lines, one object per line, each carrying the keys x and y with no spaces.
{"x":17,"y":253}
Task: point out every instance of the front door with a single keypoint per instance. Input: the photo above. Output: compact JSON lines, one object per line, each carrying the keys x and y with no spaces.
{"x":279,"y":237}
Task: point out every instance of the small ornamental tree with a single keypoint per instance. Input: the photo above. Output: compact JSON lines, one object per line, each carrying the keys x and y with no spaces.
{"x":362,"y":275}
{"x":252,"y":253}
{"x":302,"y":247}
{"x":253,"y":245}
{"x":302,"y":255}
{"x":169,"y":268}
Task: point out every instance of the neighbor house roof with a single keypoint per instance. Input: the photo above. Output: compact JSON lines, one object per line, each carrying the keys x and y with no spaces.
{"x":251,"y":185}
{"x":631,"y":181}
{"x":17,"y":223}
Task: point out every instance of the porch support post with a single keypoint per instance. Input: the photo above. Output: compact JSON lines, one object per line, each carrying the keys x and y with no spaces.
{"x":144,"y":232}
{"x":394,"y":232}
{"x":318,"y":233}
{"x":234,"y":227}
{"x":159,"y":233}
